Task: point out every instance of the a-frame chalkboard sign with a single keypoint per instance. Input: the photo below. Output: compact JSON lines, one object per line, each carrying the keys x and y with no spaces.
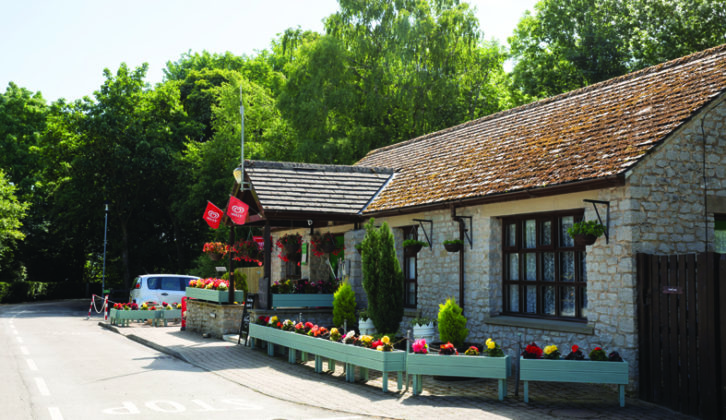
{"x":244,"y":326}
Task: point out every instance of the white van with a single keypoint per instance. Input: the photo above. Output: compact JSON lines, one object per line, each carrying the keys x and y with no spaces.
{"x":169,"y":288}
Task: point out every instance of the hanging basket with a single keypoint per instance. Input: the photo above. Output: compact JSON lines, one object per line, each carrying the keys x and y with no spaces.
{"x":584,"y":240}
{"x":412,"y":250}
{"x":455,"y":247}
{"x":215,"y":256}
{"x":291,"y":249}
{"x":327,"y":247}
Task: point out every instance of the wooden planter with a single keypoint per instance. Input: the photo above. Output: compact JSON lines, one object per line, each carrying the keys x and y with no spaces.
{"x":352,"y":356}
{"x":464,"y":366}
{"x":456,"y":247}
{"x":170,"y":314}
{"x":581,"y":371}
{"x":382,"y":361}
{"x":302,"y":300}
{"x":123,"y":317}
{"x":219,"y":296}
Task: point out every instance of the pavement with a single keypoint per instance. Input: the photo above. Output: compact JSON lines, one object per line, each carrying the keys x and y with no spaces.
{"x":461,"y":399}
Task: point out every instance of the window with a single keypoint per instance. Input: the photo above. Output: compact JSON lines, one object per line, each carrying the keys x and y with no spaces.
{"x":544,"y":273}
{"x":719,"y":240}
{"x":410,"y":282}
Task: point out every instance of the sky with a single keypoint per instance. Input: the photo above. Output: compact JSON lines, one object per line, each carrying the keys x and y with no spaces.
{"x":60,"y":48}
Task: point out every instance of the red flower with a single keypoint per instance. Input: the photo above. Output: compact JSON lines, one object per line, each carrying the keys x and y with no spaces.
{"x":597,"y":348}
{"x":575,"y":347}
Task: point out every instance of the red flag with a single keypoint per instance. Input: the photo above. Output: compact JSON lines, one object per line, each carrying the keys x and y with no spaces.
{"x":212,"y":215}
{"x":237,"y":210}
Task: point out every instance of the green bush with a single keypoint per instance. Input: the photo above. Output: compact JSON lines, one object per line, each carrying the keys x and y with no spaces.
{"x":344,"y":306}
{"x":382,"y":277}
{"x":452,"y":324}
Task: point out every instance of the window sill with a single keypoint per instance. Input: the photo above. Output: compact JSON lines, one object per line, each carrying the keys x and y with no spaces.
{"x":542,"y":324}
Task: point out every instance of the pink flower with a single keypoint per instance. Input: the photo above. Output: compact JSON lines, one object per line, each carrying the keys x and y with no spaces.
{"x":420,"y":346}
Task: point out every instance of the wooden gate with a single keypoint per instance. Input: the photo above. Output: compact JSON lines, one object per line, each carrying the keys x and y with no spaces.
{"x":682,"y":332}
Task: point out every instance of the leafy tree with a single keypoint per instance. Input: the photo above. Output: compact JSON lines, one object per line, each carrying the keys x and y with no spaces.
{"x":452,"y":323}
{"x":382,"y":278}
{"x":568,"y":44}
{"x":12,"y":213}
{"x":22,"y":122}
{"x":387,"y":71}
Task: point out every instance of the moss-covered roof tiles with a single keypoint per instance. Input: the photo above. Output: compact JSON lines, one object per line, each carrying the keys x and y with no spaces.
{"x":595,"y":132}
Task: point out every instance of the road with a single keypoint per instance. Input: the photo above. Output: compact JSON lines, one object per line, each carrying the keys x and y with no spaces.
{"x":55,"y":364}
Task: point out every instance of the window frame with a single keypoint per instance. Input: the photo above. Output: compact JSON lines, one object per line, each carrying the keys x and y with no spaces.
{"x":539,"y":249}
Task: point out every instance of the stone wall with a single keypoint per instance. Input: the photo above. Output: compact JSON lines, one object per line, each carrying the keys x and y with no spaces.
{"x":213,"y":318}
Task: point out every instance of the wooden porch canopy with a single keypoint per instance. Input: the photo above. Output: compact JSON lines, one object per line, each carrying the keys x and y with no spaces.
{"x":287,"y":194}
{"x":295,"y":195}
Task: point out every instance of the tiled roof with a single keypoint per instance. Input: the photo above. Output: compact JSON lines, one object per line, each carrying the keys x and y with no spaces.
{"x":306,"y":188}
{"x":591,"y":133}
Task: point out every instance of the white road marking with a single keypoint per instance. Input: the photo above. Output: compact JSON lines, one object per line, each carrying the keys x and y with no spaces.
{"x":31,"y":364}
{"x":20,"y":339}
{"x":55,"y":413}
{"x":42,"y":387}
{"x":24,"y":350}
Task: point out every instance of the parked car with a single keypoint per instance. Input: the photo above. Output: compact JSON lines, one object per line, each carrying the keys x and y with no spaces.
{"x":170,"y":288}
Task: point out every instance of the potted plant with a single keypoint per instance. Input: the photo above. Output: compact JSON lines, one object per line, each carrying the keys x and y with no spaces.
{"x":453,"y":245}
{"x":289,"y":244}
{"x":411,"y":247}
{"x":586,"y":232}
{"x":215,"y":250}
{"x":452,"y":324}
{"x":365,"y":324}
{"x":423,"y":328}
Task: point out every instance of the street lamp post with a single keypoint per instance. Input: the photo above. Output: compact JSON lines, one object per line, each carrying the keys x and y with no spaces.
{"x":105,"y":230}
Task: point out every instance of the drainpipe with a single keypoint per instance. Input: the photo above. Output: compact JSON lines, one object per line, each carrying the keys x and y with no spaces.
{"x":462,"y":237}
{"x":461,"y":263}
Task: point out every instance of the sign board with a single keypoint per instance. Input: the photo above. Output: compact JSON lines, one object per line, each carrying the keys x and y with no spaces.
{"x":221,"y":269}
{"x":244,"y":326}
{"x":304,"y":253}
{"x":672,"y":290}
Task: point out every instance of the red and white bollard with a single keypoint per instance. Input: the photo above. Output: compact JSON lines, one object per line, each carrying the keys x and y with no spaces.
{"x":105,"y":308}
{"x":90,"y":306}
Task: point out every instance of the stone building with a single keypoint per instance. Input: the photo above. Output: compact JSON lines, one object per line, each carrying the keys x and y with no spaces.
{"x":644,"y":153}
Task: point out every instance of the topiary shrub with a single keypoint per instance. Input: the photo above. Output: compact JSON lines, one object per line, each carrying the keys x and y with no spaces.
{"x":344,"y":306}
{"x":382,"y":278}
{"x":452,"y":324}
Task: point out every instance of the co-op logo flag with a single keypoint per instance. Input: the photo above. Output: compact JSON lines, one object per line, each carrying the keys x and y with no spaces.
{"x":236,"y":210}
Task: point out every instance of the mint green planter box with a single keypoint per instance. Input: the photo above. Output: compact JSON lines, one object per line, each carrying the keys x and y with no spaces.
{"x":302,"y":300}
{"x":169,"y":315}
{"x":382,"y":361}
{"x":581,"y":371}
{"x":219,"y":296}
{"x":499,"y":368}
{"x":123,"y":317}
{"x":352,"y":356}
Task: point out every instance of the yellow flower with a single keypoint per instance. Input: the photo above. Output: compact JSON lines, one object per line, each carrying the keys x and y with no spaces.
{"x":386,"y":340}
{"x":333,"y":331}
{"x":366,"y":338}
{"x":491,"y":344}
{"x":550,"y":349}
{"x":379,"y":348}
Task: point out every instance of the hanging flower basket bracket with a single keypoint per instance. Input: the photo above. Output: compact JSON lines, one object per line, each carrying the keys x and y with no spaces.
{"x":431,"y":229}
{"x":468,"y":233}
{"x":607,"y":216}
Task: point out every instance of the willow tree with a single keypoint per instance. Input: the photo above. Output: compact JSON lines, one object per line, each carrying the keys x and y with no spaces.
{"x":382,"y":278}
